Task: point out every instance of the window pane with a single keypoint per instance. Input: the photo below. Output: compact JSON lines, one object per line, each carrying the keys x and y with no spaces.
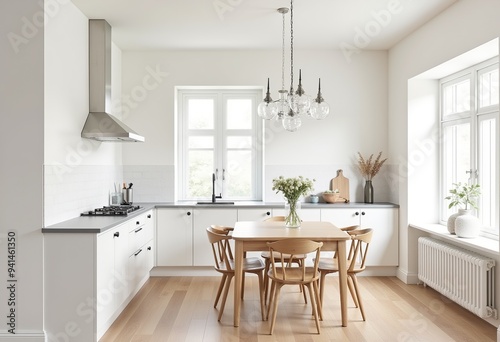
{"x":200,"y":169}
{"x":456,"y":98}
{"x":488,"y":88}
{"x":201,"y":114}
{"x":456,"y":157}
{"x":200,"y":142}
{"x":239,"y":174}
{"x":239,"y":114}
{"x":487,"y":172}
{"x":239,"y":142}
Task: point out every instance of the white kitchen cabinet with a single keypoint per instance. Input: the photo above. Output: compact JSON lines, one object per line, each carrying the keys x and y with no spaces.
{"x":384,"y":221}
{"x":203,"y":218}
{"x":140,"y":236}
{"x":174,"y":237}
{"x":254,"y":214}
{"x":89,"y":277}
{"x":112,"y":277}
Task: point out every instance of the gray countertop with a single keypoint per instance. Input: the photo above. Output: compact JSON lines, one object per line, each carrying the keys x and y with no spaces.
{"x":99,"y":224}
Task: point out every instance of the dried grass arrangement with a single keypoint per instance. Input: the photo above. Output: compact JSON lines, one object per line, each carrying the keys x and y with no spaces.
{"x":369,"y":167}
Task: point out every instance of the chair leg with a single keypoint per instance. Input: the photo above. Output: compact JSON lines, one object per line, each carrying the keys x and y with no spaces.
{"x":318,"y":301}
{"x":276,"y":290}
{"x":261,"y":294}
{"x":266,"y":278}
{"x":322,"y":286}
{"x":355,"y":283}
{"x":352,"y":291}
{"x":224,"y":296}
{"x":219,"y":291}
{"x":314,"y":308}
{"x":271,"y":297}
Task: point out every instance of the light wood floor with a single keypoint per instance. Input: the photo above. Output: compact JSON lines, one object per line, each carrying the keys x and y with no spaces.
{"x":181,"y":309}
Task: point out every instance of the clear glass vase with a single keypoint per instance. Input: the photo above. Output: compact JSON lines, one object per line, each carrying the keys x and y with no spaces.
{"x":292,"y":214}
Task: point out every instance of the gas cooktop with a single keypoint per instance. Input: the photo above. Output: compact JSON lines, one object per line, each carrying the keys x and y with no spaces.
{"x":113,"y":210}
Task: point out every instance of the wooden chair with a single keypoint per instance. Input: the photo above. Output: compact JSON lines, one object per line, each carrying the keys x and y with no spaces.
{"x":283,"y":273}
{"x":299,"y":259}
{"x":356,"y":263}
{"x":224,"y":264}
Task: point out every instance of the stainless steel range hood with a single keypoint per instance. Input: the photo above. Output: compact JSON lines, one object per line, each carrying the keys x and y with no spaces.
{"x":100,"y":125}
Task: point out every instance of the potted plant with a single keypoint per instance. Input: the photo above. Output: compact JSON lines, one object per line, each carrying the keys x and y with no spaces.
{"x":463,"y":223}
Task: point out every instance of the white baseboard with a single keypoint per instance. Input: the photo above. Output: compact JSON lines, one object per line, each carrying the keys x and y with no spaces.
{"x":38,"y":336}
{"x":407,"y":278}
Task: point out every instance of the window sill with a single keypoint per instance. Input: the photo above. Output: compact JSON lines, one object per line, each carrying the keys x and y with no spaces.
{"x":479,"y":244}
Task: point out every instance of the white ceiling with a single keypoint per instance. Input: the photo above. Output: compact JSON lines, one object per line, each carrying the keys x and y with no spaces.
{"x":256,"y":24}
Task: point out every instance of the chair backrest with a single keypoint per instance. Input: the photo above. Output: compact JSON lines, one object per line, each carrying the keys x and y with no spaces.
{"x":361,"y":239}
{"x":287,"y":249}
{"x":221,"y":229}
{"x":276,"y":218}
{"x":221,"y":249}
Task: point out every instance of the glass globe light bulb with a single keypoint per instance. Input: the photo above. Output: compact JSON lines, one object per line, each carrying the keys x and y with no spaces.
{"x":319,"y":110}
{"x":292,"y":122}
{"x":267,"y":110}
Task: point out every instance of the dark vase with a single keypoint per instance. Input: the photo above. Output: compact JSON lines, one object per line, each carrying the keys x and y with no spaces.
{"x":368,"y":192}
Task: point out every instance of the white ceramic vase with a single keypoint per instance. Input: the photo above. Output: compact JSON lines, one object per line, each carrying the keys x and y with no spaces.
{"x":466,"y":224}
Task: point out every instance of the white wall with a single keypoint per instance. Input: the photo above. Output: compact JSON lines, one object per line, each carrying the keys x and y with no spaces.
{"x":462,"y":27}
{"x":79,"y":173}
{"x":21,"y":161}
{"x":356,"y":91}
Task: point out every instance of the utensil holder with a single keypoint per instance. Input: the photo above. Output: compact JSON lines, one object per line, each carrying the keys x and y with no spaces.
{"x":127,"y":196}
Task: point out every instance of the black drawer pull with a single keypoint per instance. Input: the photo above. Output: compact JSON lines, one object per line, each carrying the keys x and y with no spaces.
{"x":137,"y":230}
{"x":138,"y":222}
{"x":362,"y":213}
{"x":116,"y":234}
{"x":188,"y":213}
{"x":268,"y":213}
{"x":357,"y":213}
{"x":149,"y":216}
{"x":149,"y":248}
{"x":139,"y":251}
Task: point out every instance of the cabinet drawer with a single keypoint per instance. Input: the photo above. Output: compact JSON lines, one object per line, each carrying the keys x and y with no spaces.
{"x":140,"y":232}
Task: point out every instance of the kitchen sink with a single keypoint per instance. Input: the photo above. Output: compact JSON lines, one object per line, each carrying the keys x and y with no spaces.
{"x":216,"y":202}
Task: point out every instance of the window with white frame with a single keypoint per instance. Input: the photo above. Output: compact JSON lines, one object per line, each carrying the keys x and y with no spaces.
{"x":219,"y":134}
{"x":470,"y":138}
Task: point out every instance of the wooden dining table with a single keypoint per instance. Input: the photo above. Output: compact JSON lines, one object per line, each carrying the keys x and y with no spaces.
{"x":254,"y":235}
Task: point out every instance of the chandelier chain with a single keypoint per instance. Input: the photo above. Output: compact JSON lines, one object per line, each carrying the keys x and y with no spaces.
{"x":283,"y":55}
{"x":291,"y":47}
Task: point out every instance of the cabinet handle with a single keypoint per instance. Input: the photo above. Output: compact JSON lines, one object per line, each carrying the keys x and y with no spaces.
{"x":149,"y":248}
{"x":362,"y":213}
{"x":188,"y":213}
{"x":137,"y":230}
{"x":357,"y":213}
{"x":138,"y":222}
{"x":116,"y":234}
{"x":139,"y":251}
{"x":149,"y":216}
{"x":268,"y":213}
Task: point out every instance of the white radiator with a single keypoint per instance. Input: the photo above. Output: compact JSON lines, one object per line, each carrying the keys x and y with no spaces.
{"x":463,"y":276}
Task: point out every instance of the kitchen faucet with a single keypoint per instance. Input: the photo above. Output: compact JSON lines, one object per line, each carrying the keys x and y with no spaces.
{"x":213,"y":189}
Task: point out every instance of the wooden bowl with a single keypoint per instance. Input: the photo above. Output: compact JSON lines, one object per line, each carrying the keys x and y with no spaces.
{"x":330,"y":197}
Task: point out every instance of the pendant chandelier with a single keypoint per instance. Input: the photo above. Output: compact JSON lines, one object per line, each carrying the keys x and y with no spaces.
{"x":292,"y":106}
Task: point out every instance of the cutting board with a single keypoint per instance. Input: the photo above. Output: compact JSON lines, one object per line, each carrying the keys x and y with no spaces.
{"x":342,"y":183}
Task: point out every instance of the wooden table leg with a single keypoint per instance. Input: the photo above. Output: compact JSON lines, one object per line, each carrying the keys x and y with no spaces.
{"x":238,"y":275}
{"x":341,"y":256}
